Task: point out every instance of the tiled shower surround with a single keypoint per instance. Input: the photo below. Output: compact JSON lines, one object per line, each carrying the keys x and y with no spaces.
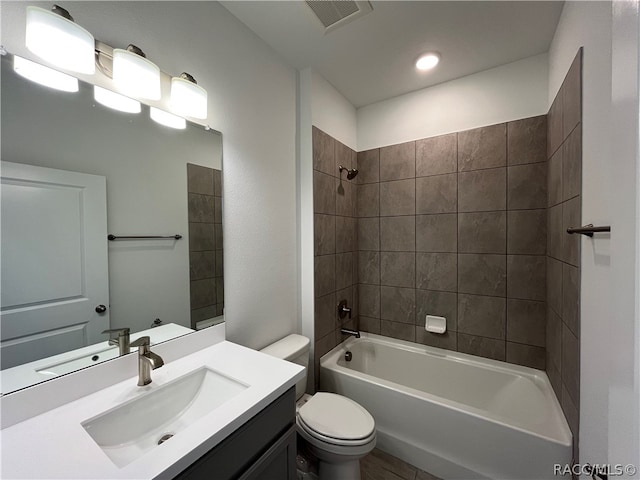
{"x":335,"y":244}
{"x":563,"y":250}
{"x":455,"y":226}
{"x":204,"y":187}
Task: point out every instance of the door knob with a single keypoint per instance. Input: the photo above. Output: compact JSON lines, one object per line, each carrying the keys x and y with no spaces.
{"x":101,"y":309}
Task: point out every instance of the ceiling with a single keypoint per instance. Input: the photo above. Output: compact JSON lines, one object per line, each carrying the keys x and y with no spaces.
{"x":372,"y":58}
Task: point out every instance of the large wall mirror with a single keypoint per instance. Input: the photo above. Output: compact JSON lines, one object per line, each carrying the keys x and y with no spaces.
{"x":73,"y":173}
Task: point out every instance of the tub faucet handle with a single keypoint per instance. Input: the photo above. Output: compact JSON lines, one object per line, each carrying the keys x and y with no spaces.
{"x":343,"y":310}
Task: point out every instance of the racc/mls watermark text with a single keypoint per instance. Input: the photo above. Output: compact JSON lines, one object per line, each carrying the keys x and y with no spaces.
{"x":596,"y":470}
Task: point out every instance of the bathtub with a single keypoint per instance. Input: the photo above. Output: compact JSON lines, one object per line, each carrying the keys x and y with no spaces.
{"x":454,"y":415}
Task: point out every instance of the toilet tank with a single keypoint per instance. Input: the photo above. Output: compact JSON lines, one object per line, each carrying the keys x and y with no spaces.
{"x":293,"y":348}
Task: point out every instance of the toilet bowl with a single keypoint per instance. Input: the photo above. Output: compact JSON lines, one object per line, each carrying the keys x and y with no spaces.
{"x":336,"y":430}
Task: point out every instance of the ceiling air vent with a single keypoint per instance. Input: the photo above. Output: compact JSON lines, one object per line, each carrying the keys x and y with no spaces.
{"x":334,"y":14}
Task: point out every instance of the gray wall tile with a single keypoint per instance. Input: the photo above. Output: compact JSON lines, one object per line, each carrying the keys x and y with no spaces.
{"x":526,"y":277}
{"x":368,"y":324}
{"x":555,"y":232}
{"x":483,"y":190}
{"x":325,"y":317}
{"x":217,"y":209}
{"x":199,"y":179}
{"x":324,"y":196}
{"x":201,"y":208}
{"x":437,"y":155}
{"x":202,"y":265}
{"x":201,"y":237}
{"x":554,"y":377}
{"x":398,"y":197}
{"x":344,"y":197}
{"x":526,"y":322}
{"x":204,"y":313}
{"x":571,"y":364}
{"x":527,"y":355}
{"x":527,"y":186}
{"x":324,"y":233}
{"x":482,"y":232}
{"x":527,"y":232}
{"x":482,"y":274}
{"x":553,"y":341}
{"x":325,"y":275}
{"x":217,"y":183}
{"x":368,"y":166}
{"x":343,"y":157}
{"x":571,"y":298}
{"x":368,"y":200}
{"x":217,"y":232}
{"x":397,"y":269}
{"x":482,"y":316}
{"x":527,"y":140}
{"x":398,"y":304}
{"x":436,"y":194}
{"x":484,"y":147}
{"x":369,"y":267}
{"x":554,"y":284}
{"x":219,"y":263}
{"x":571,"y":217}
{"x":482,"y":346}
{"x":402,"y":331}
{"x":344,"y":270}
{"x":554,"y":126}
{"x":398,"y":234}
{"x":572,"y":165}
{"x":554,"y":178}
{"x":369,"y":300}
{"x":323,"y":152}
{"x":437,"y":233}
{"x":440,"y":304}
{"x":369,"y":233}
{"x":203,"y":293}
{"x":398,"y":161}
{"x":345,"y":234}
{"x":572,"y":96}
{"x":447,"y":340}
{"x":436,"y":271}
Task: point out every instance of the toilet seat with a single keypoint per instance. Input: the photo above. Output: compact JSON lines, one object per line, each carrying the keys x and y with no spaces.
{"x":336,"y":420}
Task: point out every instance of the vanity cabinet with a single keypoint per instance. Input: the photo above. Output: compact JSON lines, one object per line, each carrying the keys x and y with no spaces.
{"x":264,"y":448}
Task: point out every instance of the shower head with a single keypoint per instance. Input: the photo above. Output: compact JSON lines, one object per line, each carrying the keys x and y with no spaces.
{"x":351,"y":174}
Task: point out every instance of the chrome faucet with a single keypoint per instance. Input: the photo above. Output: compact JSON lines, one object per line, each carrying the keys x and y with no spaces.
{"x":147,"y":360}
{"x":121,"y":340}
{"x":348,"y":331}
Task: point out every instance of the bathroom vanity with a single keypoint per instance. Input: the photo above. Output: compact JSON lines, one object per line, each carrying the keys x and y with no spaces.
{"x":224,"y":411}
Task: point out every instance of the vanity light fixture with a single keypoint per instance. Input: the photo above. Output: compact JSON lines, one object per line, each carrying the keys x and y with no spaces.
{"x":167,"y":119}
{"x":134,"y":74}
{"x":53,"y":36}
{"x":115,"y":100}
{"x":428,"y":61}
{"x":187,"y":97}
{"x":44,"y":75}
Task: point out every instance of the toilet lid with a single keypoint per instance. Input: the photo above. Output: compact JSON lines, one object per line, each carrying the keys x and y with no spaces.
{"x":337,"y":417}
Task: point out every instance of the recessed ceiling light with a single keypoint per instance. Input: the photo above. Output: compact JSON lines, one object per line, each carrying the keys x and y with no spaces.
{"x":428,"y":61}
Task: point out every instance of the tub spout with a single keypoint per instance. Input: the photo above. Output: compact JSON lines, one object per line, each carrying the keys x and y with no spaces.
{"x":348,"y":331}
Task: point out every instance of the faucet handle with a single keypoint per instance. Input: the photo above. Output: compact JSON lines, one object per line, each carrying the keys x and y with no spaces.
{"x":120,"y":331}
{"x":142,"y":342}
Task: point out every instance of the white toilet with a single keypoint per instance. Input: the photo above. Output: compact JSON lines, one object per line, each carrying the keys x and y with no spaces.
{"x":337,"y":430}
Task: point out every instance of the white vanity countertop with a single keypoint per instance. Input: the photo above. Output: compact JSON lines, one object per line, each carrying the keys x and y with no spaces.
{"x":55,"y":445}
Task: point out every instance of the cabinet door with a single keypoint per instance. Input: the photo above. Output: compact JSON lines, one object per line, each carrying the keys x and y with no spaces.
{"x":279,"y":462}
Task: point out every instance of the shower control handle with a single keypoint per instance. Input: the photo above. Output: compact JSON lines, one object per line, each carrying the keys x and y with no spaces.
{"x":343,"y":310}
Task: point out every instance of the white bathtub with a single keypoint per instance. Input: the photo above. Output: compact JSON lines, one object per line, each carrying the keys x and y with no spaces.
{"x":454,"y":415}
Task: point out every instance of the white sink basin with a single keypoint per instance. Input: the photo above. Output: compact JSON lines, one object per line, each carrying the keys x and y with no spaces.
{"x":130,"y":430}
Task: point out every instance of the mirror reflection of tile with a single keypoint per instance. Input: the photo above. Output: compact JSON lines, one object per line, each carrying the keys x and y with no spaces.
{"x":204,"y":187}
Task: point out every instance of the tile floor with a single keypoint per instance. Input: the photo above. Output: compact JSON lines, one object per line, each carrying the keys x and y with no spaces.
{"x":379,"y":465}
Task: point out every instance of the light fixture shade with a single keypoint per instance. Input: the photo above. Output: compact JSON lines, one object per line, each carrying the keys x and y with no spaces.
{"x":115,"y":100}
{"x":59,"y":41}
{"x":428,"y":61}
{"x":188,"y":99}
{"x":44,"y":75}
{"x":135,"y":75}
{"x":167,"y":119}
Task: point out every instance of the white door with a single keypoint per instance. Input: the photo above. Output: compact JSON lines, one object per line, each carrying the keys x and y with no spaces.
{"x":54,"y":273}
